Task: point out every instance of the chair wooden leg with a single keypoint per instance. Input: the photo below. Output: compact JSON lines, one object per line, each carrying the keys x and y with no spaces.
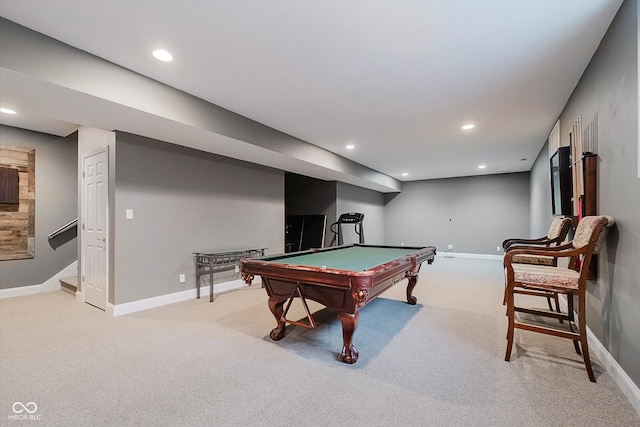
{"x":582,"y":325}
{"x":511,"y":327}
{"x":504,"y":295}
{"x":577,"y":347}
{"x":557,"y":301}
{"x":549,"y":302}
{"x":587,"y":359}
{"x":572,"y":322}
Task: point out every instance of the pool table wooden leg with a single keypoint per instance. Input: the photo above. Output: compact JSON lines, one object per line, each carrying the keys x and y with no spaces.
{"x":413,"y":279}
{"x":349,"y":324}
{"x":275,"y":305}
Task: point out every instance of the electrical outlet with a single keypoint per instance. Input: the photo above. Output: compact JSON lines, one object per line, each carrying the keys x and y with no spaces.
{"x":237,"y":269}
{"x":183,"y":278}
{"x":449,"y":246}
{"x":498,"y":248}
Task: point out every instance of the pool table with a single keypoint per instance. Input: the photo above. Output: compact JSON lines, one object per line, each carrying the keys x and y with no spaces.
{"x":342,"y":278}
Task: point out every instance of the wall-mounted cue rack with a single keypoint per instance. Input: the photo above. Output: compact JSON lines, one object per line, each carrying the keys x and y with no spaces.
{"x":584,"y":143}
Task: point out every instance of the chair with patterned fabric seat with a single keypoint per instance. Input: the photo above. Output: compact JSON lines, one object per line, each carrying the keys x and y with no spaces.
{"x":571,"y":281}
{"x":558,"y":231}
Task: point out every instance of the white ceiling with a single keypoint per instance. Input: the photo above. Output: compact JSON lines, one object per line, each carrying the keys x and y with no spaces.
{"x":397,"y":79}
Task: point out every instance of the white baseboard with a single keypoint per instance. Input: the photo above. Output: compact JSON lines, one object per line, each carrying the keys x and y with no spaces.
{"x":52,"y":284}
{"x":19,"y":291}
{"x":159,"y":301}
{"x":466,"y":255}
{"x":619,"y":376}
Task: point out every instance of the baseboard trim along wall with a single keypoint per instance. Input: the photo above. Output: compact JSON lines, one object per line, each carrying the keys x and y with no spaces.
{"x":20,"y":291}
{"x":145,"y":304}
{"x":619,"y":376}
{"x":465,"y":255}
{"x":53,"y":284}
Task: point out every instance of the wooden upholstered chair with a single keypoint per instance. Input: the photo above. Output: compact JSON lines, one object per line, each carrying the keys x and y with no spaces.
{"x":572,"y":281}
{"x":558,"y":231}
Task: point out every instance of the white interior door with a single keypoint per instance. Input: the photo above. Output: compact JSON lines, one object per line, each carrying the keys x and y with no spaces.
{"x":95,"y":184}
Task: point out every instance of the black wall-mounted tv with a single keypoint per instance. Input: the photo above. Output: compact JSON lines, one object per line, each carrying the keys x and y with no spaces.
{"x":561,"y":185}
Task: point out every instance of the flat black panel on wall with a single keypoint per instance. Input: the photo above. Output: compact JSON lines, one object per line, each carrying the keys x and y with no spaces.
{"x":313,"y":232}
{"x":561,"y":188}
{"x":304,"y":232}
{"x":293,"y":232}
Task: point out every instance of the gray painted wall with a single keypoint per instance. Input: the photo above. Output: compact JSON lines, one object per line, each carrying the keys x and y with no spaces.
{"x":609,"y":89}
{"x":183,"y":201}
{"x":350,"y":198}
{"x":474,"y":214}
{"x":56,"y":201}
{"x":540,"y":195}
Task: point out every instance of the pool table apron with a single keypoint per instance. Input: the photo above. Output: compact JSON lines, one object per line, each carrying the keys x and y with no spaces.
{"x":346,"y":293}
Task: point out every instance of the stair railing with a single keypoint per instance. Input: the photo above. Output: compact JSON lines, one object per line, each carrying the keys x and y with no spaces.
{"x":64,"y":228}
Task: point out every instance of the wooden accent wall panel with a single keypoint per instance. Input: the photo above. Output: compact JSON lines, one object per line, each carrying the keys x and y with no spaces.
{"x":17,"y":220}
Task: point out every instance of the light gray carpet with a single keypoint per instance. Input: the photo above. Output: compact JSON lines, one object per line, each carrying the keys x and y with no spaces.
{"x":197,"y":363}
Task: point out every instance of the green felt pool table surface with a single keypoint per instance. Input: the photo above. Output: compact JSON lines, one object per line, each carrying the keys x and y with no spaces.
{"x":354,"y":258}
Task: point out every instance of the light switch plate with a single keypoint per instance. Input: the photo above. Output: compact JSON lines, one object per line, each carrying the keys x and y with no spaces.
{"x":129,"y":214}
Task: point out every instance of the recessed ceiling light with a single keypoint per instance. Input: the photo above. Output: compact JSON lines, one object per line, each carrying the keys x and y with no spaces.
{"x":482,"y":167}
{"x":405,"y":174}
{"x":7,"y":111}
{"x":468,"y":126}
{"x":162,"y":55}
{"x":350,"y":147}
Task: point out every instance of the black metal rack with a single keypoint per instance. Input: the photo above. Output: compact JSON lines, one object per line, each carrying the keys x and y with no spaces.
{"x":211,"y":262}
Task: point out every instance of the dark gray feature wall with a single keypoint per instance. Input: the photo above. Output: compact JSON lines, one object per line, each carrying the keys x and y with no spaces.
{"x":184,"y":200}
{"x":56,"y":204}
{"x":310,"y":196}
{"x":608,"y":89}
{"x":474,"y":214}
